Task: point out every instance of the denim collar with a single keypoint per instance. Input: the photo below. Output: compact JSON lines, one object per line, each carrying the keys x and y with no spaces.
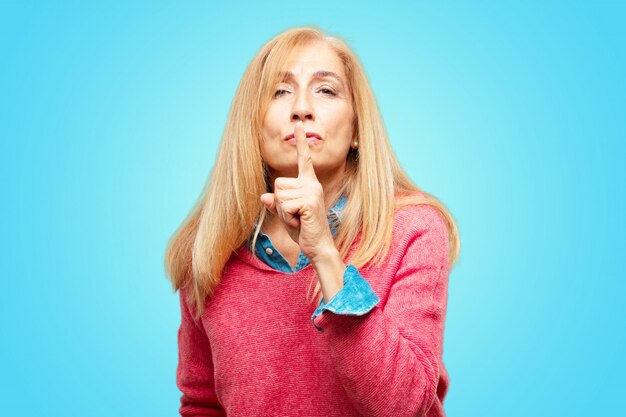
{"x":266,"y":251}
{"x":337,"y":209}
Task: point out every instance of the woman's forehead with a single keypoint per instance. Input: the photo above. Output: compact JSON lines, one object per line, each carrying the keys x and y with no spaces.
{"x":313,"y":61}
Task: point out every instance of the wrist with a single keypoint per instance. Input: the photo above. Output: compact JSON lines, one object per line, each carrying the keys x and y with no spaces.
{"x":330,"y":269}
{"x":326,"y":254}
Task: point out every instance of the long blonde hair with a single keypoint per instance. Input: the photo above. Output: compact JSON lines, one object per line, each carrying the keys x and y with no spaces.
{"x":224,"y":216}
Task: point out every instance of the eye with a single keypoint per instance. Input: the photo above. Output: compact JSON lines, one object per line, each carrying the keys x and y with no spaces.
{"x":280,"y":93}
{"x":328,"y":91}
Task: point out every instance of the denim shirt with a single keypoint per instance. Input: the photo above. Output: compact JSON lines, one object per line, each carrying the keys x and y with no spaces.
{"x":355,"y":298}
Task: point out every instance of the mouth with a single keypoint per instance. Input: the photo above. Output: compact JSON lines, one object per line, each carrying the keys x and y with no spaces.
{"x":311,"y":137}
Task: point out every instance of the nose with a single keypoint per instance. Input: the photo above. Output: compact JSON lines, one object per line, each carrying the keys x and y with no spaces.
{"x":302,"y":108}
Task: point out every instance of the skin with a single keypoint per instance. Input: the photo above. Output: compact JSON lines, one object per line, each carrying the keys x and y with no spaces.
{"x":304,"y":173}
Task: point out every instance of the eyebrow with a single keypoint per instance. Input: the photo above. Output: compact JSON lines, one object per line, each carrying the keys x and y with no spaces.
{"x":286,"y":75}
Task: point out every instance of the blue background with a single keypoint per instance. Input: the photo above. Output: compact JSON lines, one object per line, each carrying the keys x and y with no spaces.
{"x":513,"y":115}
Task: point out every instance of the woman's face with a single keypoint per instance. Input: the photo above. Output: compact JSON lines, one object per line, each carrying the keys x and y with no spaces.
{"x":315,"y":92}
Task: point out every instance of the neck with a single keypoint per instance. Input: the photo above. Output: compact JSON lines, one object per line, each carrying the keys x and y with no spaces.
{"x":331,"y":185}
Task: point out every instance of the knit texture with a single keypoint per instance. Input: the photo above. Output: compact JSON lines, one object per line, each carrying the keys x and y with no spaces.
{"x":255,"y":351}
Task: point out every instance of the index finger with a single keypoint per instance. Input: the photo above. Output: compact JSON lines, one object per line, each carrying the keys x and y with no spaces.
{"x":305,"y":162}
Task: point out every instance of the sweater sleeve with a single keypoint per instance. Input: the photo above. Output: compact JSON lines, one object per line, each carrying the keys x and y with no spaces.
{"x":194,"y":373}
{"x":388,"y":360}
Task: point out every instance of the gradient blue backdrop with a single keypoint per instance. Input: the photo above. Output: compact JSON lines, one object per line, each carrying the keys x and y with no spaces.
{"x":110,"y":118}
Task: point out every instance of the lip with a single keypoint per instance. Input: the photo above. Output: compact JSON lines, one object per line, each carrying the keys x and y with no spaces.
{"x":312,"y":136}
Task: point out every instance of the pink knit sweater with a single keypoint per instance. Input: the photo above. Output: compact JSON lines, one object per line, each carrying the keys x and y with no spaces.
{"x":256,"y":352}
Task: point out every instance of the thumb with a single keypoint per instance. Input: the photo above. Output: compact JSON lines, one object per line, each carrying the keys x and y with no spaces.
{"x":268,"y":200}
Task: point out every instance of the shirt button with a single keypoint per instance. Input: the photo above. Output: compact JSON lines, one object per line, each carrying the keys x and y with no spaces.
{"x":269,"y":251}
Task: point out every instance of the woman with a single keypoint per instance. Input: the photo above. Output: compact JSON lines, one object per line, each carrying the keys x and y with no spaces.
{"x":306,"y":191}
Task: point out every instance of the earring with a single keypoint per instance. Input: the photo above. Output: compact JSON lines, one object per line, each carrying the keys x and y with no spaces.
{"x":355,"y":144}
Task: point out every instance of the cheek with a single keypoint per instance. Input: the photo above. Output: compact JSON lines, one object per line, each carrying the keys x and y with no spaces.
{"x":338,"y":148}
{"x":272,"y":151}
{"x":344,"y":128}
{"x":344,"y":118}
{"x":268,"y":134}
{"x":272,"y":121}
{"x":268,"y":150}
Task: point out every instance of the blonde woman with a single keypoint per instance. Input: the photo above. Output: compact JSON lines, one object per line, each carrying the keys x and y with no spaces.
{"x":313,"y":273}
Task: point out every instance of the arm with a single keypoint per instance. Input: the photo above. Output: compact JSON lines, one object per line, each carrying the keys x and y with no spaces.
{"x":194,"y":373}
{"x":388,"y":359}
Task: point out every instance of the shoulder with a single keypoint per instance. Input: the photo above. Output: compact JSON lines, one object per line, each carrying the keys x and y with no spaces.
{"x":419,"y":223}
{"x":417,"y":212}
